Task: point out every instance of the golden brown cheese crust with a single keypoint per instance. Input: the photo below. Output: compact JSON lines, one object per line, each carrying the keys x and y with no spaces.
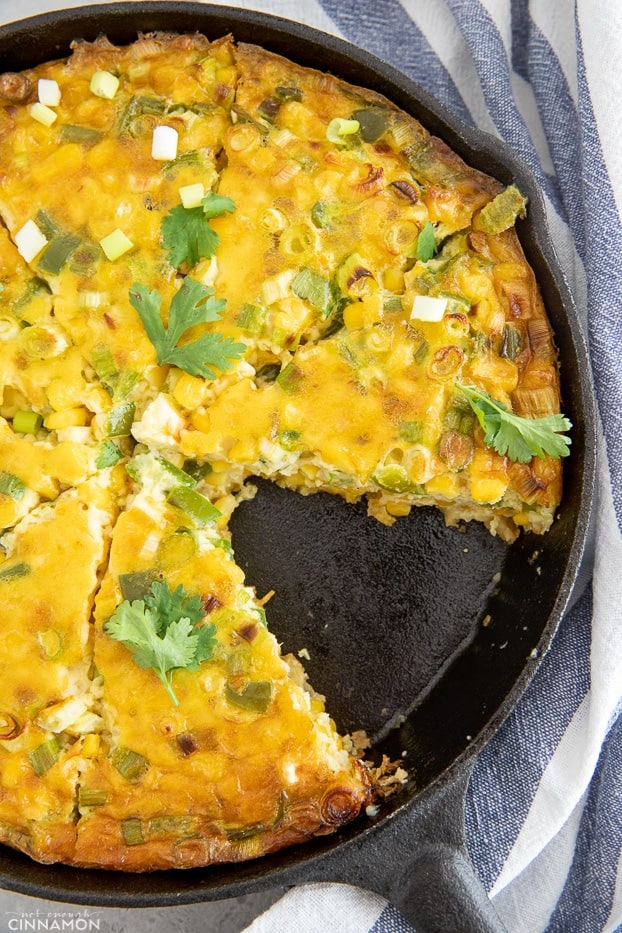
{"x":341,"y":387}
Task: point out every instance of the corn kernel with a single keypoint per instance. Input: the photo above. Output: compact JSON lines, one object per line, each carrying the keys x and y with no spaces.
{"x":67,"y":418}
{"x":353,"y":315}
{"x":445,"y":485}
{"x":244,"y":450}
{"x":90,"y":745}
{"x":190,"y":391}
{"x":393,"y":280}
{"x":201,"y":421}
{"x":226,"y":75}
{"x":398,"y":508}
{"x":488,"y":488}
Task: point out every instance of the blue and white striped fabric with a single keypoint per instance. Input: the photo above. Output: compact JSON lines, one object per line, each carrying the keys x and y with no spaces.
{"x":544,"y":806}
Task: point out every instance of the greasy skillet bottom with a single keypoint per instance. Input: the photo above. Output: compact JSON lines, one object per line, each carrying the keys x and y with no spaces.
{"x":382,"y":612}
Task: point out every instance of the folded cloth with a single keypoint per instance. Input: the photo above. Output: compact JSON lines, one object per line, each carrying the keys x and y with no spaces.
{"x":544,"y":804}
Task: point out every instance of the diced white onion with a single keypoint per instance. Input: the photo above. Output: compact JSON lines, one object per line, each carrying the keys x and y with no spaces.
{"x":60,"y":717}
{"x":164,"y":143}
{"x":48,"y":92}
{"x":93,"y":299}
{"x":426,"y":308}
{"x":29,"y":241}
{"x":42,"y":114}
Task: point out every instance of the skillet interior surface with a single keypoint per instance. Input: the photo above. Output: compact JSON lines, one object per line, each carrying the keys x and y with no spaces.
{"x":422,"y":635}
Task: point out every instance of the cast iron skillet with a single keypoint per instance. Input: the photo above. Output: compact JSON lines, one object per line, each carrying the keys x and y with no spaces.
{"x":424,"y":636}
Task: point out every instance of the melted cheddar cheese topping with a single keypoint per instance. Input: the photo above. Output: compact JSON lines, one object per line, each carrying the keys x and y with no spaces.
{"x":362,"y":287}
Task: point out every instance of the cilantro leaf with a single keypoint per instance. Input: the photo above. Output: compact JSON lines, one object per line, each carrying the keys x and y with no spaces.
{"x":192,"y":304}
{"x":518,"y":437}
{"x":163,"y":632}
{"x":174,"y":604}
{"x":186,"y":233}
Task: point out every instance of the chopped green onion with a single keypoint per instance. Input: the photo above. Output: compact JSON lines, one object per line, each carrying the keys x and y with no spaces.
{"x":91,"y":797}
{"x":11,"y":486}
{"x":120,"y":420}
{"x":255,"y":696}
{"x":325,"y":215}
{"x":136,"y":584}
{"x":46,"y":224}
{"x":172,"y":475}
{"x":51,"y":643}
{"x":116,"y":244}
{"x":512,"y":342}
{"x":34,"y":289}
{"x":290,"y":378}
{"x":58,"y":252}
{"x":42,"y":114}
{"x":27,"y":422}
{"x":392,"y":304}
{"x":394,"y":478}
{"x":315,"y":289}
{"x":197,"y":470}
{"x":132,"y":831}
{"x":288,"y":93}
{"x":14,"y":572}
{"x":373,"y":123}
{"x":130,"y":764}
{"x":289,"y":439}
{"x":251,"y":318}
{"x":421,"y":352}
{"x":426,"y":243}
{"x":109,"y":455}
{"x":502,"y":212}
{"x":267,"y":374}
{"x":72,"y":133}
{"x":180,"y":477}
{"x":338,"y":130}
{"x":411,"y":431}
{"x":83,"y":260}
{"x":104,"y":84}
{"x":45,"y":755}
{"x":269,"y":108}
{"x":459,"y":417}
{"x":103,"y":363}
{"x":192,"y":195}
{"x":199,"y":509}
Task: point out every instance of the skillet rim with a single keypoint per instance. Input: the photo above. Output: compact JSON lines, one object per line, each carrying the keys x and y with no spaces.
{"x":477,"y":148}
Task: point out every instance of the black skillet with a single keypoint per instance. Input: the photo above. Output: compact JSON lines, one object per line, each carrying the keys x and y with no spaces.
{"x":424,"y":636}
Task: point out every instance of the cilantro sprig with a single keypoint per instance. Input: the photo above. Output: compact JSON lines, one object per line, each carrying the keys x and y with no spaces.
{"x":518,"y":437}
{"x":186,"y":233}
{"x":163,"y":632}
{"x":193,"y":304}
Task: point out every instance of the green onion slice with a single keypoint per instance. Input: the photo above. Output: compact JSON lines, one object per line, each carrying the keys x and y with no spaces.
{"x":45,"y":755}
{"x":130,"y":764}
{"x":27,"y":422}
{"x":199,"y":509}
